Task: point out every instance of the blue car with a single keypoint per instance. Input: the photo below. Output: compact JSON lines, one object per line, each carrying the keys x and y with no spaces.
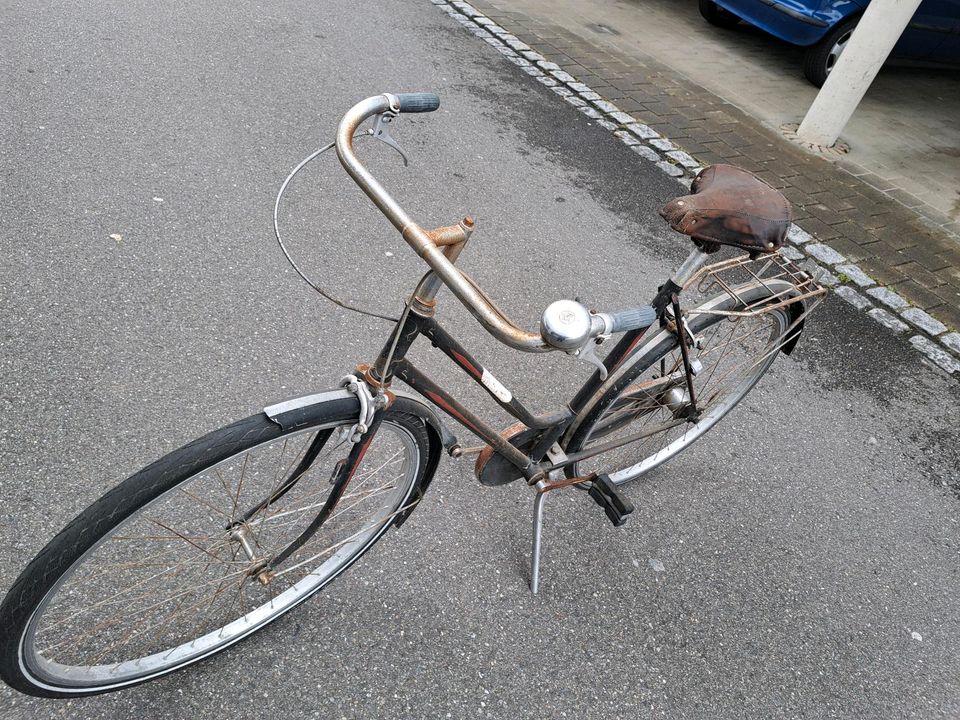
{"x":825,"y":26}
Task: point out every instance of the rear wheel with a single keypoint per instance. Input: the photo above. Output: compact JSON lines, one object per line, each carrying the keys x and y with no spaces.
{"x":162,"y":571}
{"x":716,"y":15}
{"x":649,"y":393}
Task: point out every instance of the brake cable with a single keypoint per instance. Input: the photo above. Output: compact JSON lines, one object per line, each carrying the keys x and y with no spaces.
{"x":276,"y":231}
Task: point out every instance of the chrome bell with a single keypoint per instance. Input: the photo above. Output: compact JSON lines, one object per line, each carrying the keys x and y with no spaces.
{"x":565,"y":324}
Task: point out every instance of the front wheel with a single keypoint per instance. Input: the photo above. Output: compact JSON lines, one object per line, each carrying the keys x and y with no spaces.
{"x":162,"y":571}
{"x":648,"y":393}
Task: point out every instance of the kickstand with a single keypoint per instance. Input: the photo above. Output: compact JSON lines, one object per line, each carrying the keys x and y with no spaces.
{"x":537,"y":533}
{"x":602,"y":490}
{"x":543,"y":487}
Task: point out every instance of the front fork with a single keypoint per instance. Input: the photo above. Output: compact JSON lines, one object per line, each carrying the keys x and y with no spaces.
{"x":264,"y":568}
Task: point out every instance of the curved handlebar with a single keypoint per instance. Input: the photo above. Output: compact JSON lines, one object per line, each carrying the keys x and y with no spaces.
{"x":473,"y":298}
{"x":490,"y":317}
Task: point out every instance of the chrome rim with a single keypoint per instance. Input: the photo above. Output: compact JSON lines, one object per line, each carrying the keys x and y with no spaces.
{"x":170,"y":585}
{"x":736,"y":352}
{"x":837,"y":50}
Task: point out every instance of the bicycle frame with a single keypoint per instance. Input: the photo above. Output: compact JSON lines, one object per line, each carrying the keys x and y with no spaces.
{"x":420,"y":321}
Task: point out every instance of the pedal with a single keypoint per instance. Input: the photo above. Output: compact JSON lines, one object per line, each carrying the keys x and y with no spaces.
{"x":614,"y":503}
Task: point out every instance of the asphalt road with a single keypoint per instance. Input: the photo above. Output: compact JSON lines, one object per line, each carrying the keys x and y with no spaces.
{"x":802,"y":561}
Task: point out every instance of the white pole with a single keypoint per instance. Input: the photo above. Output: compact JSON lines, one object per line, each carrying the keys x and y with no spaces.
{"x":878,"y":31}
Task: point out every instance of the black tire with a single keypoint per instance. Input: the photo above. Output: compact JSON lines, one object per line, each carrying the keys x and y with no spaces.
{"x":820,"y":58}
{"x":716,"y":15}
{"x":618,"y":406}
{"x":92,"y":533}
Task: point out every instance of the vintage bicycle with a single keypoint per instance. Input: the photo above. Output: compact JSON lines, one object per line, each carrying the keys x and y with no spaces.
{"x":210,"y":543}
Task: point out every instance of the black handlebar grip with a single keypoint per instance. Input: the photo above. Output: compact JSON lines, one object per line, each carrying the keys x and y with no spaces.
{"x":418,"y":102}
{"x":633,"y":319}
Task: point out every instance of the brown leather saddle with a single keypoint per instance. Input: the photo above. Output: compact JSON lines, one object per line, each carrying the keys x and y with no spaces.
{"x":730,"y":206}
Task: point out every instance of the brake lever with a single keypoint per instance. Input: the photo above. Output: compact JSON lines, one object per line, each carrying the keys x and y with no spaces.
{"x":588,"y":354}
{"x":381,"y":132}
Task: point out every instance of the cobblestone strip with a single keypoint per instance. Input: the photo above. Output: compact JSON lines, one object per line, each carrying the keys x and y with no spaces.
{"x":882,"y":304}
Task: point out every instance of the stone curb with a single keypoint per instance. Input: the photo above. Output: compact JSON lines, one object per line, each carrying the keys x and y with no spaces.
{"x":940,"y":347}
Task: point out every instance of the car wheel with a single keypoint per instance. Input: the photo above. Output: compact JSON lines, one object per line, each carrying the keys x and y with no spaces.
{"x":716,"y":15}
{"x":821,"y":58}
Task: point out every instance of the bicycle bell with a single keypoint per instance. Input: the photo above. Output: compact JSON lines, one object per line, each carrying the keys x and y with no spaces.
{"x":565,"y":324}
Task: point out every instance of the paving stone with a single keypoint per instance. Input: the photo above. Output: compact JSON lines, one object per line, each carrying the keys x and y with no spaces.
{"x":548,"y":66}
{"x":662,"y":144}
{"x":644,"y":132}
{"x":579,"y":87}
{"x":607,"y":125}
{"x":466,"y":8}
{"x":856,"y":274}
{"x":626,"y":138}
{"x":683,"y":158}
{"x":532,"y":56}
{"x":531,"y":70}
{"x":561,"y":90}
{"x":791,"y":253}
{"x":888,"y":297}
{"x":605,"y":106}
{"x":548,"y":81}
{"x":825,"y":277}
{"x":824,"y":253}
{"x":590,"y":112}
{"x":619,"y":116}
{"x":937,"y":354}
{"x":493,"y":41}
{"x":590,"y":95}
{"x":562,"y":76}
{"x":924,"y":321}
{"x":515,"y":42}
{"x":670,"y":169}
{"x":484,"y":20}
{"x":519,"y":61}
{"x":798,"y":235}
{"x":853,"y":297}
{"x":575,"y":101}
{"x":645,"y":152}
{"x":504,"y":50}
{"x":952,"y":341}
{"x":887,"y":320}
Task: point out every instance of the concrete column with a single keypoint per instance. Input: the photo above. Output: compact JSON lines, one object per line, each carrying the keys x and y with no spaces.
{"x":880,"y":27}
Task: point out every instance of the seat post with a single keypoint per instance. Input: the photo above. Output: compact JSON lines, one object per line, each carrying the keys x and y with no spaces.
{"x":695,"y":260}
